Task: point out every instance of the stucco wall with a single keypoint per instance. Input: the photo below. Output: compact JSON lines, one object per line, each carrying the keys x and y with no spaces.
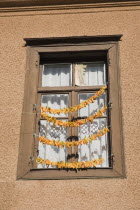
{"x":98,"y":194}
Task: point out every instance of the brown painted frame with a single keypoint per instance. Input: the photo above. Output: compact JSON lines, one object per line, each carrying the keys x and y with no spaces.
{"x":29,"y":3}
{"x":110,"y":45}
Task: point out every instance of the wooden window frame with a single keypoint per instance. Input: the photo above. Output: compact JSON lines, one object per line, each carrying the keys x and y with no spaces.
{"x":35,"y":48}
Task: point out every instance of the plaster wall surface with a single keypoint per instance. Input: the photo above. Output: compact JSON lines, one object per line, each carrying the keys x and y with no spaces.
{"x":84,"y":194}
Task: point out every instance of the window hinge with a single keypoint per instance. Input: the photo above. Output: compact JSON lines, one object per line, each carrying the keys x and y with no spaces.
{"x":34,"y":107}
{"x":31,"y":159}
{"x":109,"y":62}
{"x":109,"y":126}
{"x":34,"y":135}
{"x":110,"y":104}
{"x":36,"y":63}
{"x":112,"y":158}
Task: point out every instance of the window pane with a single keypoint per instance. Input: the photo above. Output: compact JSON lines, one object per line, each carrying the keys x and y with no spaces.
{"x":52,"y":153}
{"x":90,"y":74}
{"x":55,"y":101}
{"x":98,"y":148}
{"x":56,"y":75}
{"x":92,"y":108}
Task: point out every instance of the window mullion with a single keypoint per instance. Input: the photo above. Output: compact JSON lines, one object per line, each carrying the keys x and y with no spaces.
{"x":74,"y":150}
{"x":73,"y":75}
{"x":69,"y":133}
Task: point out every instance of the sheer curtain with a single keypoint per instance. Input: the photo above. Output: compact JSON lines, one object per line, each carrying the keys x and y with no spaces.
{"x":55,"y":101}
{"x":98,"y":148}
{"x":55,"y":75}
{"x":52,"y":153}
{"x":90,"y":74}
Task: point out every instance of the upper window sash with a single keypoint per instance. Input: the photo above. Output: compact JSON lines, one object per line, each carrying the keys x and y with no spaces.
{"x":77,"y":74}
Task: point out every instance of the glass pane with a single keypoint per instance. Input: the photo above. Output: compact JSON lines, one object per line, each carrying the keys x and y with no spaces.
{"x":55,"y":75}
{"x":55,"y":101}
{"x":90,"y":74}
{"x":92,"y":108}
{"x":49,"y":152}
{"x":98,"y":148}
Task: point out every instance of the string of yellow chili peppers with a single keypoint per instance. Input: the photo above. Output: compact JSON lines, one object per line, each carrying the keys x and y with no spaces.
{"x":77,"y":107}
{"x":74,"y":165}
{"x":76,"y":123}
{"x":62,"y":144}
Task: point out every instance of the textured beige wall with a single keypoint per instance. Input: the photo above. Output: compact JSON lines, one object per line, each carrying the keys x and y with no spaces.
{"x":97,"y":194}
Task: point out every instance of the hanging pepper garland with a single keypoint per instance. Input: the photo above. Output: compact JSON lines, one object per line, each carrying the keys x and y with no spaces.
{"x":77,"y":107}
{"x":76,"y":123}
{"x":62,"y":144}
{"x":74,"y":165}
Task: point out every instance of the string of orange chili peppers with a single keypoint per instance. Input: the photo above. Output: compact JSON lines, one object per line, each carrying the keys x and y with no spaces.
{"x":62,"y":144}
{"x":74,"y":165}
{"x":76,"y":123}
{"x":77,"y":107}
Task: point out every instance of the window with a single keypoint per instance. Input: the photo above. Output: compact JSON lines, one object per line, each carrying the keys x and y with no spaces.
{"x":62,"y":73}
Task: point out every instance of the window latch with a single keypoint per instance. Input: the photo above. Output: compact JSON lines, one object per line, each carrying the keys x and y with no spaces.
{"x":78,"y":118}
{"x":110,"y":104}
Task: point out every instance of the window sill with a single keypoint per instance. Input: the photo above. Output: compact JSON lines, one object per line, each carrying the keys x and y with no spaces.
{"x":60,"y":174}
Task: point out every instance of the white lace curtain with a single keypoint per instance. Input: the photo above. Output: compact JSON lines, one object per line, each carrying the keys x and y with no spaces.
{"x":52,"y":132}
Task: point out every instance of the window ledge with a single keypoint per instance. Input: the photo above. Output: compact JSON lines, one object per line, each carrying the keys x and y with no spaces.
{"x":71,"y":40}
{"x":97,"y":173}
